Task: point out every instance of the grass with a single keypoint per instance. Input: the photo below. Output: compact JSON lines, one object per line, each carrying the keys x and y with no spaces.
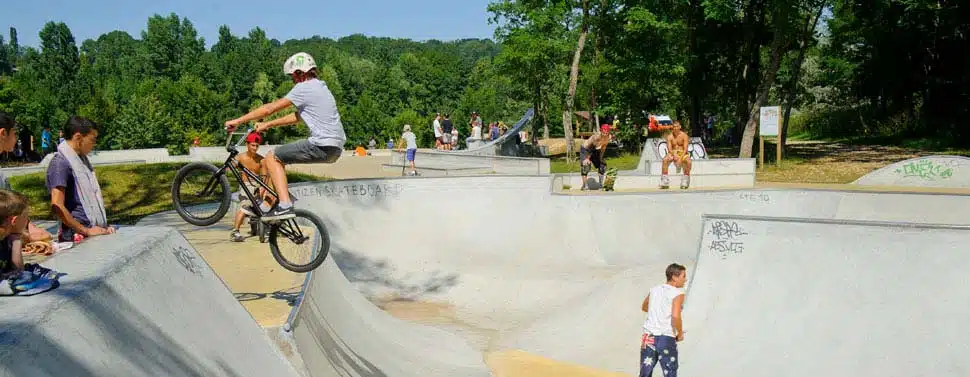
{"x":624,"y":161}
{"x":130,"y":191}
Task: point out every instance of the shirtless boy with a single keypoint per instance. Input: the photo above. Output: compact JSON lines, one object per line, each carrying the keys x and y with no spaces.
{"x":592,"y":151}
{"x":252,"y":161}
{"x":677,"y":142}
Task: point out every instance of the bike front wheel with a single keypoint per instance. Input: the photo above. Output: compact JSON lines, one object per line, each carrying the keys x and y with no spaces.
{"x":198,"y":188}
{"x":306,"y":229}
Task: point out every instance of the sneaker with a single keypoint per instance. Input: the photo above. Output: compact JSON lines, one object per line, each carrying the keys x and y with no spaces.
{"x":664,"y":181}
{"x":276,"y":214}
{"x":235,"y":236}
{"x":684,"y":182}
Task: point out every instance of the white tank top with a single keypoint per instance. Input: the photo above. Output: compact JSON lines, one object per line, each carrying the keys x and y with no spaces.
{"x":660,"y":310}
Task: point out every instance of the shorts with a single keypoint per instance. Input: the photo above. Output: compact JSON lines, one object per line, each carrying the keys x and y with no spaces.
{"x":679,"y":156}
{"x":594,"y":158}
{"x":446,"y":138}
{"x":303,"y":152}
{"x":410,"y":154}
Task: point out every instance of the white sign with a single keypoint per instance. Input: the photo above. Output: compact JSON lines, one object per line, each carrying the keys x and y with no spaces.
{"x":769,"y":120}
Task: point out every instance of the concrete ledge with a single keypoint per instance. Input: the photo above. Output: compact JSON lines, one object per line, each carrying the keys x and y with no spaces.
{"x":711,"y":166}
{"x":141,"y":302}
{"x":441,"y":172}
{"x":641,"y":182}
{"x":500,"y":164}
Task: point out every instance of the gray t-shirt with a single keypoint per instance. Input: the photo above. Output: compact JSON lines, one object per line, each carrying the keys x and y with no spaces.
{"x":316,"y":106}
{"x":60,"y":174}
{"x":410,"y":139}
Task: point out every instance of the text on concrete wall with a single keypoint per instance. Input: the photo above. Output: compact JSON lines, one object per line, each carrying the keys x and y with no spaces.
{"x":726,"y":241}
{"x":349,"y":191}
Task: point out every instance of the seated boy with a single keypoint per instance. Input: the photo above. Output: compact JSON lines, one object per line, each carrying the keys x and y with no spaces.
{"x":252,"y":161}
{"x":75,"y":192}
{"x":13,"y":223}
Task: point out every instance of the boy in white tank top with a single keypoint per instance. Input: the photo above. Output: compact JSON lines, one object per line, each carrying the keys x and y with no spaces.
{"x":663,"y":327}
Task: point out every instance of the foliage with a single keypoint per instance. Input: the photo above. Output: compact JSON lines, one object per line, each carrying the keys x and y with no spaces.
{"x":164,"y":88}
{"x":887,"y":68}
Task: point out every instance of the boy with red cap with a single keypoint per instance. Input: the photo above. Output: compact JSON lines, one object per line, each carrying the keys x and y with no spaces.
{"x":252,"y":161}
{"x":592,"y":151}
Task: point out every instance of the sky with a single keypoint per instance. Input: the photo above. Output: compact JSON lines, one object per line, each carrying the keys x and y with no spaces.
{"x":414,"y":19}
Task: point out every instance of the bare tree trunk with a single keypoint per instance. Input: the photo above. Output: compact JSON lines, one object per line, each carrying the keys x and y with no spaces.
{"x":567,"y":113}
{"x":797,"y":74}
{"x":750,"y":128}
{"x":695,"y":18}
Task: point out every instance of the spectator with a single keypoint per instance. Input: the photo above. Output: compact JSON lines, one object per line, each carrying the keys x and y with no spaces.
{"x":446,"y":128}
{"x":252,"y":161}
{"x":372,"y":144}
{"x":437,"y":131}
{"x":75,"y":193}
{"x":13,"y":222}
{"x":45,"y":141}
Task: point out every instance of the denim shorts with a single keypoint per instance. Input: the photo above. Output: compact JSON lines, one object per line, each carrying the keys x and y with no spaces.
{"x":304,"y":152}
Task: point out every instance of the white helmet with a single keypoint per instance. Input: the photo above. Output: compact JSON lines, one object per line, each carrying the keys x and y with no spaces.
{"x":300,"y":61}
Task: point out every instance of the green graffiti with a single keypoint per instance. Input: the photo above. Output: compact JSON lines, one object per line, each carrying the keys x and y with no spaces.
{"x":926,"y":170}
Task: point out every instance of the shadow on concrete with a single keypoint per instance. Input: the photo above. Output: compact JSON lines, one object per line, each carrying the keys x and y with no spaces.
{"x":132,"y":338}
{"x":341,"y":356}
{"x":373,"y":273}
{"x":290,"y":295}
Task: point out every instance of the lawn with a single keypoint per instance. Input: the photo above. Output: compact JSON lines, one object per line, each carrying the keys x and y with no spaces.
{"x":130,"y":191}
{"x":624,"y":161}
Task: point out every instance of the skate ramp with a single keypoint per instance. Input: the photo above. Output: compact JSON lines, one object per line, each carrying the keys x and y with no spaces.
{"x":140,"y":302}
{"x":930,"y":171}
{"x":801,"y":297}
{"x":561,"y":276}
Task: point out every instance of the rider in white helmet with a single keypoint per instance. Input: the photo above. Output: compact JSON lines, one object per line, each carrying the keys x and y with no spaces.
{"x":316,"y":107}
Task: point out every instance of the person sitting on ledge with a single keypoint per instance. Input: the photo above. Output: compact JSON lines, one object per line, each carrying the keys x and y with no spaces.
{"x":75,"y":193}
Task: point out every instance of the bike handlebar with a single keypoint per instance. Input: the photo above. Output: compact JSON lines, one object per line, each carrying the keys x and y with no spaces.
{"x":229,"y":146}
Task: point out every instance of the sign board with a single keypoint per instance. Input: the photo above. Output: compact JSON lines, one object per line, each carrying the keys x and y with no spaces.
{"x":770,"y":116}
{"x":695,"y":147}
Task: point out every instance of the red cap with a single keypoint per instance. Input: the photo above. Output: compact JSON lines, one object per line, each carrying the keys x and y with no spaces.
{"x":254,"y":138}
{"x":605,"y":128}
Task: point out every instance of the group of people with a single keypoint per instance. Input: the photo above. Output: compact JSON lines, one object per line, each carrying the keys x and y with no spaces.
{"x":75,"y":199}
{"x":593,"y":150}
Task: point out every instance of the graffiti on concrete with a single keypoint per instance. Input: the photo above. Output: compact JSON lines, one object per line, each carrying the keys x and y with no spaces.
{"x":184,"y":256}
{"x":695,"y":147}
{"x":754,"y":197}
{"x":727,"y":239}
{"x":350,"y":190}
{"x":927,"y":169}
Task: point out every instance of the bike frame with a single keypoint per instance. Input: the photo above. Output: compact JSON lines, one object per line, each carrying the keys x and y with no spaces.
{"x":230,"y":164}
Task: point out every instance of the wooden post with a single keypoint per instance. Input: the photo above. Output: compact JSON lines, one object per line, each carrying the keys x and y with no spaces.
{"x":761,"y":152}
{"x":778,"y":152}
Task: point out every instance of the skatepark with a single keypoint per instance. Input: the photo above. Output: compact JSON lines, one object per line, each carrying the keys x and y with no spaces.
{"x":516,"y":273}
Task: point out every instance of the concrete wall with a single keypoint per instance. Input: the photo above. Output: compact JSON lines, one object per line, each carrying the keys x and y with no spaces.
{"x":141,"y":302}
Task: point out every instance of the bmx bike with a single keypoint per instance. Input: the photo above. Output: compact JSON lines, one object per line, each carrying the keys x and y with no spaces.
{"x":214,"y":192}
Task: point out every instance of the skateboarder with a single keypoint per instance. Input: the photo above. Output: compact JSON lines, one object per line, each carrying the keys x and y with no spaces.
{"x":592,"y":151}
{"x":677,"y":142}
{"x":663,"y":327}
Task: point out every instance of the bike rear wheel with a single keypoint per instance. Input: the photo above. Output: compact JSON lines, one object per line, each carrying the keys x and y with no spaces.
{"x":305,"y":228}
{"x":214,"y":193}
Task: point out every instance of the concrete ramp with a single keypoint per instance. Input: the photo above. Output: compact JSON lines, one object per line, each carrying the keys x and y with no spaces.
{"x":930,"y":171}
{"x":140,"y":302}
{"x":799,"y":297}
{"x":341,"y":333}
